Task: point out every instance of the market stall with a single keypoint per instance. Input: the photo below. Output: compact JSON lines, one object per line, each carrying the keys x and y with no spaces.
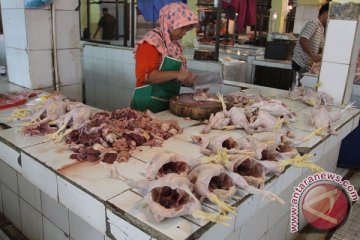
{"x":100,"y":195}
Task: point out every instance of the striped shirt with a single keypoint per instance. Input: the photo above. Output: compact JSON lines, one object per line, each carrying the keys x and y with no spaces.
{"x":314,"y":32}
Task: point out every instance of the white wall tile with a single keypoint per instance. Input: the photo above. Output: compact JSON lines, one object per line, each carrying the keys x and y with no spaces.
{"x":278,"y":231}
{"x":55,"y":212}
{"x":8,"y":176}
{"x":10,"y":156}
{"x":235,"y":235}
{"x":66,"y":4}
{"x":14,"y":28}
{"x":41,"y":70}
{"x":219,"y":230}
{"x":122,"y":229}
{"x":12,"y":4}
{"x":81,"y":230}
{"x":88,"y":51}
{"x":38,"y":29}
{"x":333,"y":77}
{"x":129,"y":79}
{"x":99,"y":52}
{"x":256,"y":227}
{"x":39,"y":175}
{"x":116,"y":73}
{"x":52,"y":232}
{"x":80,"y":202}
{"x":67,"y":29}
{"x":29,"y":193}
{"x":73,"y":92}
{"x":11,"y":206}
{"x":31,"y":222}
{"x":339,"y":41}
{"x":69,"y":66}
{"x":18,"y":66}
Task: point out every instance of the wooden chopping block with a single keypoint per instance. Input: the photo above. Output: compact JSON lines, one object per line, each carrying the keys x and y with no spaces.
{"x":184,"y":105}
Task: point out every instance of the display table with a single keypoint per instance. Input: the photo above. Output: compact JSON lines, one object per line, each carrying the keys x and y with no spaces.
{"x":95,"y":193}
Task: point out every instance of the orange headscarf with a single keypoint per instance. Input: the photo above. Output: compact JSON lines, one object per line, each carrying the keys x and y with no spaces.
{"x":172,"y":16}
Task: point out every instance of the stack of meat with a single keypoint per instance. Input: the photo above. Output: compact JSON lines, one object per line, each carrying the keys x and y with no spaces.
{"x":110,"y":136}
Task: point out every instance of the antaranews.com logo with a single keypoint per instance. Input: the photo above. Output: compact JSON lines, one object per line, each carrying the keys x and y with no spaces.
{"x":324,"y":200}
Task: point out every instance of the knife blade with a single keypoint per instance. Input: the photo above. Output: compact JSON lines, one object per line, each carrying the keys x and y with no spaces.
{"x":207,"y":80}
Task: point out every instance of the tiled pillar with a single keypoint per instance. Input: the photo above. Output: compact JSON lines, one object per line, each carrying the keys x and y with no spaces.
{"x":30,"y":49}
{"x":341,"y":50}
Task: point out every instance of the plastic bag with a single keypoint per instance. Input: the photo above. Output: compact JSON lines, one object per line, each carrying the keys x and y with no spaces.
{"x":37,"y":3}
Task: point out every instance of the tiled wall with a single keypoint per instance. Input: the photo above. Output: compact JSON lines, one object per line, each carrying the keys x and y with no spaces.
{"x":36,"y":214}
{"x":340,"y":58}
{"x":29,"y":44}
{"x":303,"y":15}
{"x":109,"y":75}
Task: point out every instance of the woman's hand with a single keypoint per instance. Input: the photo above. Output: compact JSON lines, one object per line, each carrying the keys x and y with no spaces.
{"x":186,"y":78}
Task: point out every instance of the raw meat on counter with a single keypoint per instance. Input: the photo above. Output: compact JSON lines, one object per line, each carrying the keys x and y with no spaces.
{"x":12,"y":99}
{"x":117,"y":133}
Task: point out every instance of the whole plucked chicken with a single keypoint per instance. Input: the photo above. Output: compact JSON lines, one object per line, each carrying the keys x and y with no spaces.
{"x":171,"y":196}
{"x":220,"y":119}
{"x":166,"y":162}
{"x":276,"y":108}
{"x":264,"y":122}
{"x":324,"y":120}
{"x":214,"y":182}
{"x":77,"y":117}
{"x":247,"y":167}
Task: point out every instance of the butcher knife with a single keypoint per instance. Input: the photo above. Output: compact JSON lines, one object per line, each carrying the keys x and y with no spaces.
{"x":207,"y":80}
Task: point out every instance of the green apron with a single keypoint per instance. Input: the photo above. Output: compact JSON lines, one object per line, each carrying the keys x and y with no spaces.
{"x":155,"y":97}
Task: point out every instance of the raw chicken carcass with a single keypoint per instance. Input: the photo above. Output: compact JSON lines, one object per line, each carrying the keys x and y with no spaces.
{"x":252,"y":171}
{"x":238,"y":119}
{"x":220,"y":119}
{"x":214,"y":182}
{"x":167,"y":162}
{"x":214,"y":144}
{"x":264,"y":122}
{"x":77,"y":117}
{"x":50,"y":112}
{"x":324,"y":120}
{"x":171,"y":196}
{"x":276,"y":108}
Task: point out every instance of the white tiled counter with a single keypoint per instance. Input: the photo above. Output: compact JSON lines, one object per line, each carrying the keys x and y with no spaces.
{"x":66,"y":199}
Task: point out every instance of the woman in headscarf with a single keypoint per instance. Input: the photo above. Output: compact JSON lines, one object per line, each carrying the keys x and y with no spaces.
{"x":156,"y":84}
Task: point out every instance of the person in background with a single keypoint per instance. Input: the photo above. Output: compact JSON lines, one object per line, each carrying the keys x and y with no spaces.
{"x":175,"y":20}
{"x":108,"y":25}
{"x":210,"y":29}
{"x":310,"y":41}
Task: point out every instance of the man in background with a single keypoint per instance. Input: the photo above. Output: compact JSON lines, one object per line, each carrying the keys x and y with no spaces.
{"x":108,"y":25}
{"x":310,"y":41}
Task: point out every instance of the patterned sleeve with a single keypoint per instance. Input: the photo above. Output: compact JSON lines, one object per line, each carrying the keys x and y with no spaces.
{"x":309,"y":30}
